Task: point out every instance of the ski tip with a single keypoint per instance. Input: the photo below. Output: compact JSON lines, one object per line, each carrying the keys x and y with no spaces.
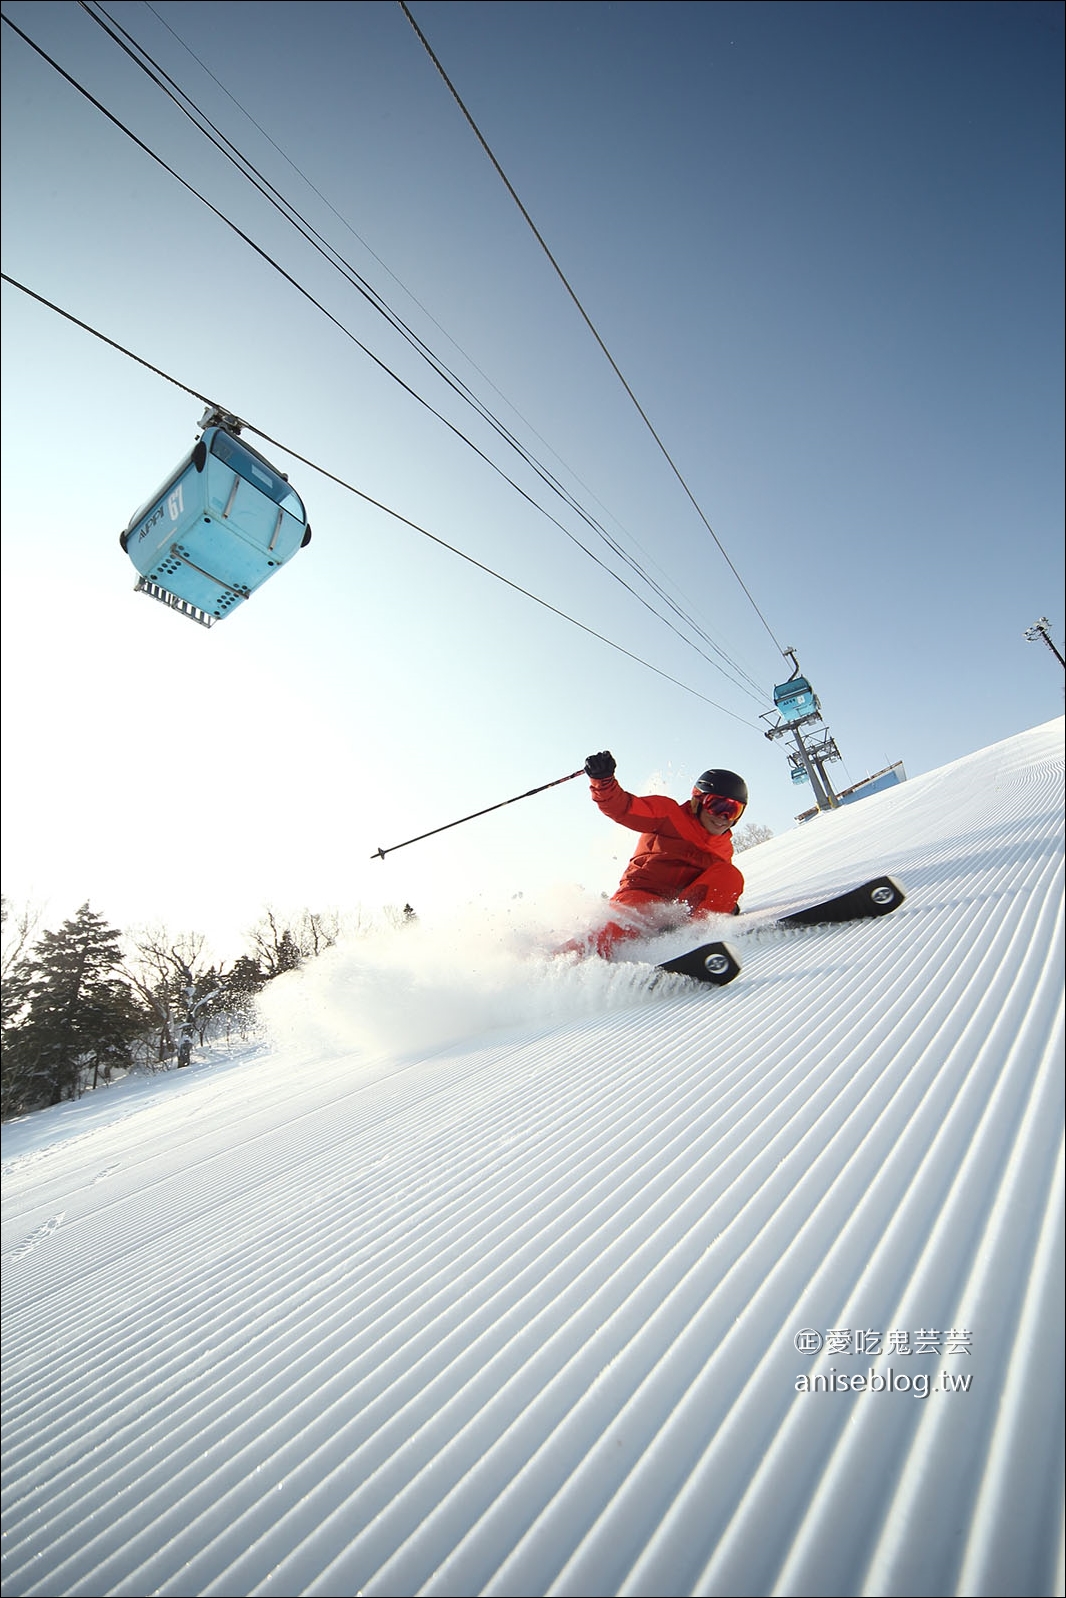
{"x":877,"y":897}
{"x":884,"y":894}
{"x":716,"y":963}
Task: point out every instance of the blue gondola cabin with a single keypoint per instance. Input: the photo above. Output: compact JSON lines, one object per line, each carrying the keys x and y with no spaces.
{"x":221,"y":524}
{"x":795,"y":699}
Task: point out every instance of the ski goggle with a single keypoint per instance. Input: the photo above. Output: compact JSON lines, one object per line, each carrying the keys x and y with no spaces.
{"x":718,"y":805}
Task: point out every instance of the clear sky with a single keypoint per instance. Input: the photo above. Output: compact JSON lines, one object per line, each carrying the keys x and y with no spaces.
{"x":822,"y":242}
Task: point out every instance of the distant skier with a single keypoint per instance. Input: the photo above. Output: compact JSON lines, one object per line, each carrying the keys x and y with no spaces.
{"x":685,"y":854}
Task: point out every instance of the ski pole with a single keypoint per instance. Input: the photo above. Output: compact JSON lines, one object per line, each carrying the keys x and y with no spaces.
{"x":379,"y":854}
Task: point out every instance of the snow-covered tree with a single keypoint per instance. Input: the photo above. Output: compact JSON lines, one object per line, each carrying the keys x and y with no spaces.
{"x":179,"y":985}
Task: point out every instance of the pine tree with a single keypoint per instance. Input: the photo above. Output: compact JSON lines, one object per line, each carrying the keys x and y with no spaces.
{"x":79,"y":1016}
{"x":289,"y":956}
{"x":17,"y":929}
{"x":239,"y":989}
{"x":246,"y":978}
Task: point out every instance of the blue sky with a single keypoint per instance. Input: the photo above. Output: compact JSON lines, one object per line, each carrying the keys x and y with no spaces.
{"x":822,"y":242}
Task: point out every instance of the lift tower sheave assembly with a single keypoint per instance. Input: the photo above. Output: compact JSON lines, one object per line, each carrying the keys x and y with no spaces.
{"x":1042,"y":629}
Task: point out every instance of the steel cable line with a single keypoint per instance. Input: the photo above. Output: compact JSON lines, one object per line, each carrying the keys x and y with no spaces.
{"x":224,"y":145}
{"x":584,"y":315}
{"x":306,"y":293}
{"x":428,"y":314}
{"x":156,"y":73}
{"x":378,"y":504}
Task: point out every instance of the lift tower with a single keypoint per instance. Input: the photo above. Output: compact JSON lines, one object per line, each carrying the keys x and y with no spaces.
{"x":800,"y":716}
{"x":1042,"y":629}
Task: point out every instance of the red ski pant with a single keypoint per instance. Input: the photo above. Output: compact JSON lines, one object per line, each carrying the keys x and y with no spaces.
{"x":714,"y":892}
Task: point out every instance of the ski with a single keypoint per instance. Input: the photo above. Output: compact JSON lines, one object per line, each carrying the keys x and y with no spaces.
{"x":878,"y":897}
{"x":716,"y":963}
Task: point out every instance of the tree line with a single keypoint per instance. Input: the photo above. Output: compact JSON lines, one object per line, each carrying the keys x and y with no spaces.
{"x":84,"y":1002}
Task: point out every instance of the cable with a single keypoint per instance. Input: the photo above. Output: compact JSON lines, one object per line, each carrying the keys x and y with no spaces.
{"x":156,"y":73}
{"x":426,"y":312}
{"x":311,"y":298}
{"x":379,"y":505}
{"x":585,"y":316}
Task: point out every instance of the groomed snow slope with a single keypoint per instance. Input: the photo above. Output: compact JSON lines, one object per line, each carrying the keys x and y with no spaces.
{"x":519,"y":1316}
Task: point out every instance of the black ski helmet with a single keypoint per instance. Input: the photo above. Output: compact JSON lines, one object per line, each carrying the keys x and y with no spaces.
{"x":725,"y":783}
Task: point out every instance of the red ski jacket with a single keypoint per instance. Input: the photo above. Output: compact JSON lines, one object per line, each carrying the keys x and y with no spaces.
{"x":674,"y":848}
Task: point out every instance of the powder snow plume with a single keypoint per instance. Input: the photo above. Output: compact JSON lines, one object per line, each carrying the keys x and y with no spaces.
{"x":432,"y":983}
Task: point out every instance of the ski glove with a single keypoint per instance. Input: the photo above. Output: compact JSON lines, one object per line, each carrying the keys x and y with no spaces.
{"x":600,"y":767}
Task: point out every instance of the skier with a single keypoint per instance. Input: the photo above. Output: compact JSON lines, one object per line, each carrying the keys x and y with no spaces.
{"x":685,"y":854}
